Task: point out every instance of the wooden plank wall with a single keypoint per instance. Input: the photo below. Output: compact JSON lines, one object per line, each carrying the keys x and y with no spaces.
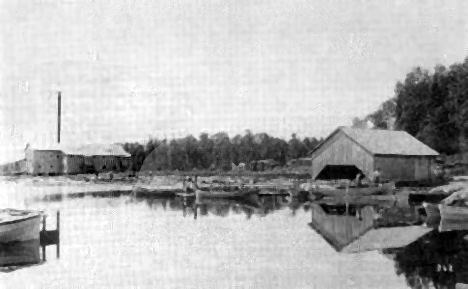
{"x":341,"y":150}
{"x":396,"y":168}
{"x":423,"y":169}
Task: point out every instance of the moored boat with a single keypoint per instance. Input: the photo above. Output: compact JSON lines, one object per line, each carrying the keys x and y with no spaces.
{"x":18,"y":254}
{"x":223,"y":194}
{"x":383,"y":189}
{"x":432,"y":210}
{"x":453,"y":214}
{"x":19,"y":225}
{"x":251,"y":204}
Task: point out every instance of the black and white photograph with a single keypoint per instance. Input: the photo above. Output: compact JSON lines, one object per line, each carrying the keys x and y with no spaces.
{"x":212,"y":144}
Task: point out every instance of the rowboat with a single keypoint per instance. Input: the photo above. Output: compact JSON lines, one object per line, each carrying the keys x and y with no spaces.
{"x":381,"y":201}
{"x":219,"y":202}
{"x":224,"y":194}
{"x":452,"y":213}
{"x":19,"y":225}
{"x":19,"y":254}
{"x":453,"y":218}
{"x":370,"y":190}
{"x":228,"y":192}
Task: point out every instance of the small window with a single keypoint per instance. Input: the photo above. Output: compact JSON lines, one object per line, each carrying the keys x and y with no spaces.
{"x":102,"y":157}
{"x":51,"y":166}
{"x":57,"y":156}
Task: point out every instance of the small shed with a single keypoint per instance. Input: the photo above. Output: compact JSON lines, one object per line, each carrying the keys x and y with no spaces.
{"x":396,"y":154}
{"x":263,"y":165}
{"x":300,"y":162}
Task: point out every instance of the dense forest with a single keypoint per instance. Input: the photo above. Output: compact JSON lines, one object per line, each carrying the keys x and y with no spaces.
{"x":430,"y":105}
{"x":218,"y":151}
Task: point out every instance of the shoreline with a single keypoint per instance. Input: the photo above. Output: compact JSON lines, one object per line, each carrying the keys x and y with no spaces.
{"x":21,"y":190}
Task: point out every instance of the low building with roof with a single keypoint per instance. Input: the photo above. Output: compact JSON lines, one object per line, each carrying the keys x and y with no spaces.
{"x":13,"y":168}
{"x":63,"y":159}
{"x":263,"y":165}
{"x":300,"y":162}
{"x":46,"y":159}
{"x":396,"y":154}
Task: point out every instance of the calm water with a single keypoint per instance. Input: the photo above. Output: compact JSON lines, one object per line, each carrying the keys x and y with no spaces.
{"x":128,"y":243}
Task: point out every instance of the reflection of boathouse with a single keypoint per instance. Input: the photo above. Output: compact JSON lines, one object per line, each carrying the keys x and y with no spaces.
{"x":360,"y":229}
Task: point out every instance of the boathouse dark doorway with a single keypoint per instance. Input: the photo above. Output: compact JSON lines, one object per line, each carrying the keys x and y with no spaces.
{"x":334,"y":172}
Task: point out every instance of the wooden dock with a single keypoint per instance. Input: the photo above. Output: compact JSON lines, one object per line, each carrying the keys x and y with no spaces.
{"x":50,"y":237}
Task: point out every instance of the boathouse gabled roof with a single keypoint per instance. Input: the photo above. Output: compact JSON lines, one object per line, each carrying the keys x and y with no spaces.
{"x":384,"y":142}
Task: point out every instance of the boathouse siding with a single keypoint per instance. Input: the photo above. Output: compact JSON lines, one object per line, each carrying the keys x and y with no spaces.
{"x":414,"y":168}
{"x":340,"y":150}
{"x":398,"y":155}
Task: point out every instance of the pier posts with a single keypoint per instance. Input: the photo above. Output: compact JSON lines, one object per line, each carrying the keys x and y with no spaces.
{"x":51,"y":237}
{"x":44,"y":232}
{"x":58,"y":235}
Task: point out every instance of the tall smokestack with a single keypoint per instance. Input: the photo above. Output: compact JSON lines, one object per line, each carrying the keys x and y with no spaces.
{"x":59,"y":115}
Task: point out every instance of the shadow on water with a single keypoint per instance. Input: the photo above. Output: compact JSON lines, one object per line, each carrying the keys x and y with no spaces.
{"x":437,"y":260}
{"x":250,"y":206}
{"x":426,"y":257}
{"x":20,"y":255}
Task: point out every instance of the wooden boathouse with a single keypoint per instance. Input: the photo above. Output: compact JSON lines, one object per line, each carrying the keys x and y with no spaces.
{"x":396,"y":154}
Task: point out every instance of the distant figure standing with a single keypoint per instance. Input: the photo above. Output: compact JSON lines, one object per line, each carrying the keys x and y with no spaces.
{"x":358,"y":180}
{"x":189,"y":185}
{"x":377,"y":176}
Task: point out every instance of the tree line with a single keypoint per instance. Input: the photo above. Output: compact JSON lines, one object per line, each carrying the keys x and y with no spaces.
{"x":431,"y":106}
{"x":218,"y":151}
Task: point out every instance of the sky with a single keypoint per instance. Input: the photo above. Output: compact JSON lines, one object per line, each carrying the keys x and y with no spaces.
{"x":133,"y":69}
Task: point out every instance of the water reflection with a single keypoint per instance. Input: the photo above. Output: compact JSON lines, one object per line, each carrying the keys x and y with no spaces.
{"x":225,"y":207}
{"x":20,"y":255}
{"x":360,"y":228}
{"x":418,"y":252}
{"x":437,"y":260}
{"x":425,"y":256}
